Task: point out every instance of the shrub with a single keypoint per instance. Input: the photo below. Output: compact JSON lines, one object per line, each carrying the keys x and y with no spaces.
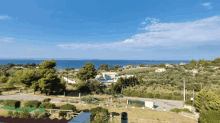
{"x":73,"y":101}
{"x":34,"y":103}
{"x":12,"y":103}
{"x":157,"y":95}
{"x":66,"y":107}
{"x":75,"y":85}
{"x":186,"y":110}
{"x":88,"y":99}
{"x":209,"y":116}
{"x":25,"y":114}
{"x":47,"y":105}
{"x":10,"y":113}
{"x":16,"y":114}
{"x":47,"y":100}
{"x":150,"y":95}
{"x":175,"y":110}
{"x":43,"y":116}
{"x":189,"y":102}
{"x":62,"y":113}
{"x":180,"y":110}
{"x":97,"y":110}
{"x":36,"y":114}
{"x":3,"y":79}
{"x":137,"y":105}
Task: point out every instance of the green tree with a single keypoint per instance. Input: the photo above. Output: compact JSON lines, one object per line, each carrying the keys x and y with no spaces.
{"x":98,"y":112}
{"x":203,"y":98}
{"x":161,"y":65}
{"x":10,"y":84}
{"x":3,"y":79}
{"x":48,"y":78}
{"x":142,"y":65}
{"x":26,"y":78}
{"x":192,"y":63}
{"x":96,"y":86}
{"x":72,"y":68}
{"x":209,"y":116}
{"x":86,"y":72}
{"x":103,"y":67}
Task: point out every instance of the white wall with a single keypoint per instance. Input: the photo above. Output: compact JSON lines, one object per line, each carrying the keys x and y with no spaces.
{"x":149,"y":104}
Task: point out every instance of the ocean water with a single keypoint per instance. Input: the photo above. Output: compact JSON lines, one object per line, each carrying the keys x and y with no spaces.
{"x":62,"y":64}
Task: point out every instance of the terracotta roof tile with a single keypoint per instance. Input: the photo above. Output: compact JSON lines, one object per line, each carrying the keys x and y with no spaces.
{"x":32,"y":120}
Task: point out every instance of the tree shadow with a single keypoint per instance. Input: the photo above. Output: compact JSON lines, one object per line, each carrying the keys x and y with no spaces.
{"x":85,"y":110}
{"x":115,"y":114}
{"x":155,"y":106}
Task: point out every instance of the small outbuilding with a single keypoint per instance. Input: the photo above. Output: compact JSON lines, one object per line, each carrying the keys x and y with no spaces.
{"x":149,"y":103}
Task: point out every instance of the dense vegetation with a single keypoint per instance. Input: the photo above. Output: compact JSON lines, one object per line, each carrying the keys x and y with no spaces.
{"x":207,"y":103}
{"x":44,"y":79}
{"x":87,"y":71}
{"x":104,"y":67}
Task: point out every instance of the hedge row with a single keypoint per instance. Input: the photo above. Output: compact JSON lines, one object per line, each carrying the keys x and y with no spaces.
{"x":34,"y":103}
{"x":12,"y":103}
{"x":169,"y":96}
{"x":180,"y":110}
{"x":66,"y":107}
{"x":47,"y":105}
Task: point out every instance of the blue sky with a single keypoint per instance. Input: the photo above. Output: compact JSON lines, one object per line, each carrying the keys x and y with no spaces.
{"x":99,"y":29}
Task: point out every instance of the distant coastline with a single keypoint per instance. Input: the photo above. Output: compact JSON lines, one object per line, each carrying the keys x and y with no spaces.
{"x":62,"y":64}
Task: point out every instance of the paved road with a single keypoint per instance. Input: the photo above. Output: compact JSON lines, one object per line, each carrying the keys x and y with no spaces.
{"x":27,"y":97}
{"x":20,"y":97}
{"x":168,"y":104}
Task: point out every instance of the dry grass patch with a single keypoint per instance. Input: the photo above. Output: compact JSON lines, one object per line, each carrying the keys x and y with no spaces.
{"x":4,"y":112}
{"x":142,"y":114}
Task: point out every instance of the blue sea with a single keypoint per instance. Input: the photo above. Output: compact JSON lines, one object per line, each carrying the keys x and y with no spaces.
{"x":62,"y":64}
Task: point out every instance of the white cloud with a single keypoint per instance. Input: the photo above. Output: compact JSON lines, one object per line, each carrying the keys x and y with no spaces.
{"x":7,"y":39}
{"x":148,"y":19}
{"x":4,"y":17}
{"x":163,"y":34}
{"x":208,"y":5}
{"x":142,"y":23}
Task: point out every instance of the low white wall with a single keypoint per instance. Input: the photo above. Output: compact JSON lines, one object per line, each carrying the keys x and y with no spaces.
{"x":149,"y":104}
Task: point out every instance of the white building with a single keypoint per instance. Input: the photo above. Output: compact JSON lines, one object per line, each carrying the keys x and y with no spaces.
{"x":160,"y":70}
{"x":70,"y":81}
{"x":149,"y":104}
{"x":110,"y":77}
{"x":193,"y":71}
{"x":182,"y":64}
{"x":169,"y":65}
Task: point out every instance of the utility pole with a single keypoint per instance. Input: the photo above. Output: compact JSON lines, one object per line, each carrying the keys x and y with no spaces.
{"x":193,"y":97}
{"x":184,"y":90}
{"x":201,"y":85}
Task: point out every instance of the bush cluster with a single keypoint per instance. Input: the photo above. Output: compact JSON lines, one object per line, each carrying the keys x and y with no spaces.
{"x":22,"y":114}
{"x":137,"y":105}
{"x":89,"y":99}
{"x":168,"y":96}
{"x":12,"y":103}
{"x":66,"y":107}
{"x":47,"y":105}
{"x":33,"y":103}
{"x":96,"y":110}
{"x":176,"y":110}
{"x":47,"y":100}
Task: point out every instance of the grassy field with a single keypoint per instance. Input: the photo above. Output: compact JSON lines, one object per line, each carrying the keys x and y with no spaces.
{"x":4,"y":112}
{"x":139,"y":113}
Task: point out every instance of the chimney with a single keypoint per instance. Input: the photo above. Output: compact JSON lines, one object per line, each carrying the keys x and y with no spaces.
{"x":124,"y":117}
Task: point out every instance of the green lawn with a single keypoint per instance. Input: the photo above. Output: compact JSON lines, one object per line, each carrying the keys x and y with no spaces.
{"x":21,"y":109}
